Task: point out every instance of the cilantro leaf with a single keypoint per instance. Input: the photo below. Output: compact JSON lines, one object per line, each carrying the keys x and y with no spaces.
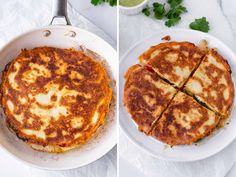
{"x":146,"y":11}
{"x":175,"y":12}
{"x":112,"y":2}
{"x":173,"y":16}
{"x":159,"y":10}
{"x":200,"y":24}
{"x":98,"y":2}
{"x":172,"y":21}
{"x":174,"y":3}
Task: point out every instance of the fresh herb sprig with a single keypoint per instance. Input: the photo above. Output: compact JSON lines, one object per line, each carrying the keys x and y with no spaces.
{"x":172,"y":22}
{"x":174,"y":3}
{"x":98,"y":2}
{"x":146,"y":11}
{"x":173,"y":15}
{"x":200,"y":24}
{"x":159,"y":10}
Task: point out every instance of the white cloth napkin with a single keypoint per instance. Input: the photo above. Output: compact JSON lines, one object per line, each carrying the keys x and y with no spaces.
{"x":104,"y":167}
{"x":18,"y":17}
{"x":135,"y":28}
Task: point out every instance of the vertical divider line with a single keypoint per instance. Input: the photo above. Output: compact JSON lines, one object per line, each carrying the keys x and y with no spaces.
{"x":118,"y":96}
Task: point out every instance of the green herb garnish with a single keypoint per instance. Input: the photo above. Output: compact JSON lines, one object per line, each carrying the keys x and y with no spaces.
{"x":200,"y":24}
{"x":159,"y":10}
{"x":98,"y":2}
{"x":174,"y":3}
{"x":175,"y":12}
{"x":172,"y":21}
{"x":146,"y":11}
{"x":173,"y":16}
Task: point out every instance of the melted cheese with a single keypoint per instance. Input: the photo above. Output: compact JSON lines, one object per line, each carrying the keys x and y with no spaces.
{"x":37,"y":133}
{"x":210,"y":121}
{"x":95,"y":118}
{"x":182,"y":72}
{"x":160,"y":85}
{"x":195,"y":85}
{"x":150,"y":101}
{"x":54,"y":112}
{"x":77,"y":122}
{"x":171,"y":57}
{"x":35,"y":71}
{"x":185,"y":119}
{"x":76,"y":75}
{"x":10,"y":105}
{"x":155,"y":53}
{"x":12,"y":75}
{"x":213,"y":61}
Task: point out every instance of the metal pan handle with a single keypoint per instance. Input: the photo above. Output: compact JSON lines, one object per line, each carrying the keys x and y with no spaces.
{"x":59,"y":10}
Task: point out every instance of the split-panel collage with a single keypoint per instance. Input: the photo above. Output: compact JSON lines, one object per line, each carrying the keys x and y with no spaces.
{"x":117,"y":88}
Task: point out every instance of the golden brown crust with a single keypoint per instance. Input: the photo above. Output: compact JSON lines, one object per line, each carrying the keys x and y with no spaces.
{"x":184,"y":122}
{"x":184,"y":119}
{"x":55,"y":97}
{"x":173,"y":61}
{"x":145,"y":96}
{"x":166,"y":38}
{"x":212,"y":83}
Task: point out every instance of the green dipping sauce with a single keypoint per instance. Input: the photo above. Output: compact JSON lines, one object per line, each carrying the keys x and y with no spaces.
{"x":130,"y":3}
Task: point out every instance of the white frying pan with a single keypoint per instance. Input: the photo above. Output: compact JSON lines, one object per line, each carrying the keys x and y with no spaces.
{"x":62,"y":36}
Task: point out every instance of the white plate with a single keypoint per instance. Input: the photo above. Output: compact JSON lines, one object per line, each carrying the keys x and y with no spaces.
{"x":102,"y":142}
{"x":208,"y":146}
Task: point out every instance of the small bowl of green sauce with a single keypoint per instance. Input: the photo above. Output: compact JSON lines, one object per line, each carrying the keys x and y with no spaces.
{"x":132,"y":7}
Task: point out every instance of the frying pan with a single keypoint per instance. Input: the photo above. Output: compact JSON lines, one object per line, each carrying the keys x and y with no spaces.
{"x":61,"y":36}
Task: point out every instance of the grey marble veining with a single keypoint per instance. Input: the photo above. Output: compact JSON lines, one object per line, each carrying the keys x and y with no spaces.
{"x":228,"y":8}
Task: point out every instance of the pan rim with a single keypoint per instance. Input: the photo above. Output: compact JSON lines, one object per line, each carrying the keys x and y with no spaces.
{"x":112,"y":143}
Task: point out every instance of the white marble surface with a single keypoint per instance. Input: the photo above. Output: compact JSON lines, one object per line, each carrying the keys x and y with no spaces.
{"x":221,"y":15}
{"x":103,"y":16}
{"x":15,"y":19}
